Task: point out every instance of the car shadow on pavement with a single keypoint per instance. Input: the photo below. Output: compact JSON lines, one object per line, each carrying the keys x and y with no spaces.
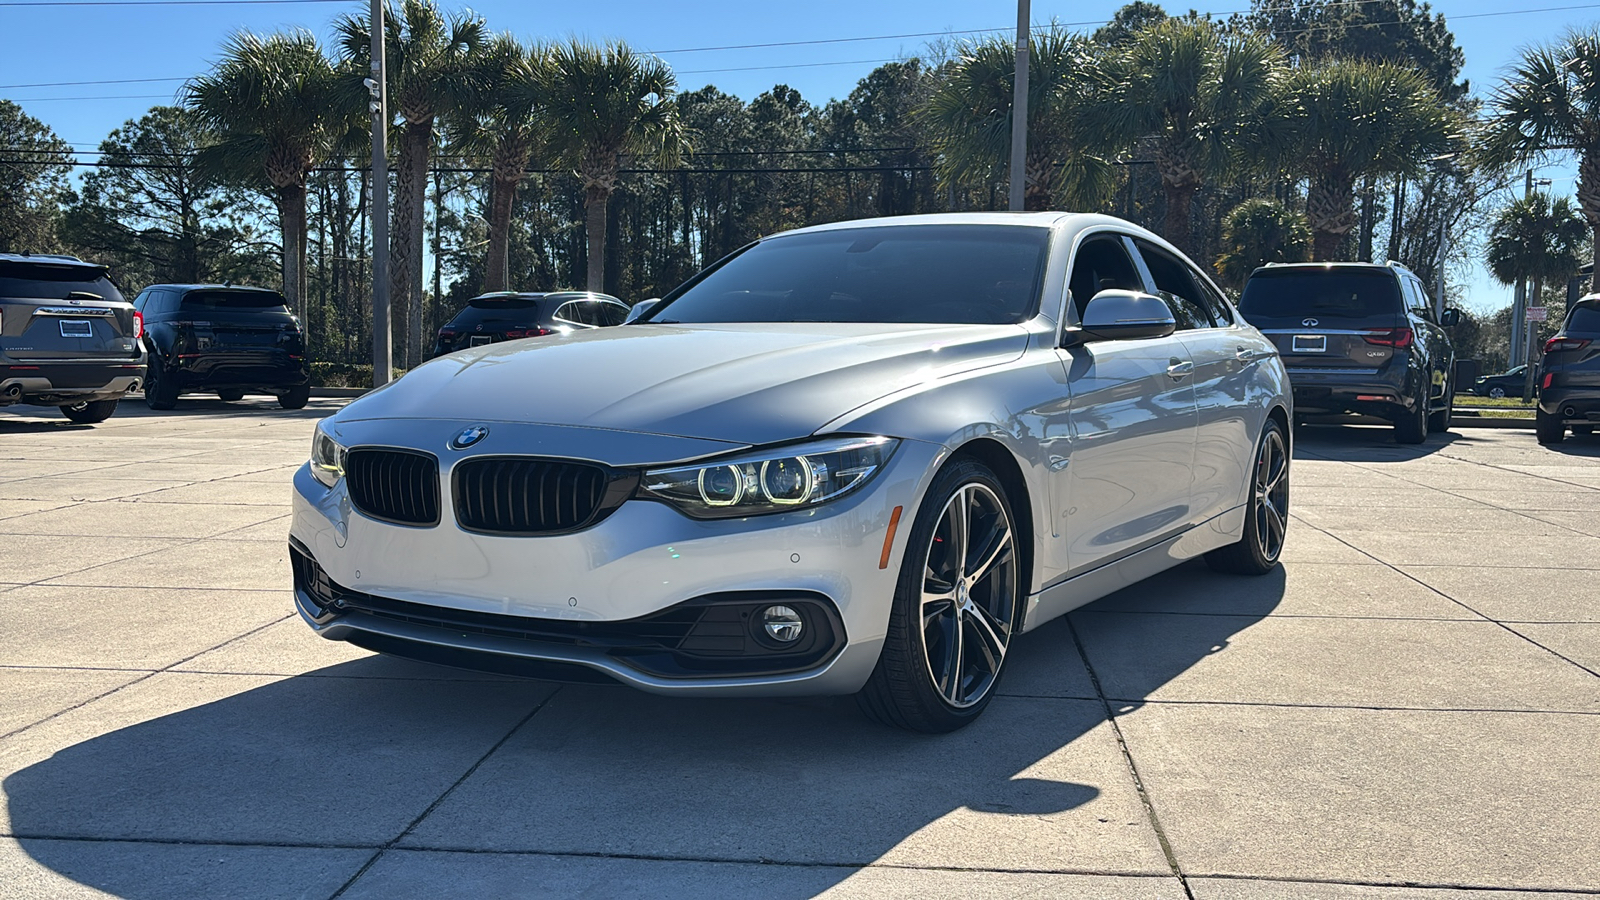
{"x":1366,"y":443}
{"x":358,"y":754}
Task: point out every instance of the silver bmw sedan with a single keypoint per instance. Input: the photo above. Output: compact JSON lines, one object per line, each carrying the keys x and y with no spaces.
{"x":854,"y":458}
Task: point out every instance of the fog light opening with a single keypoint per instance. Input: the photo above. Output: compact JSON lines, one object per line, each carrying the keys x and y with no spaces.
{"x":782,"y":624}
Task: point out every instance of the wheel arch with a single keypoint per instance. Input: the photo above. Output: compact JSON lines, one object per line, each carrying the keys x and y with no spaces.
{"x":1008,"y":469}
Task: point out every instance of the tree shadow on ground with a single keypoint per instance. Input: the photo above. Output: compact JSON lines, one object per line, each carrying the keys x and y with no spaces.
{"x":353,"y":755}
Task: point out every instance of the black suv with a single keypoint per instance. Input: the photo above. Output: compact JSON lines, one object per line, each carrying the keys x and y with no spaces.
{"x":67,"y":337}
{"x":1569,"y":376}
{"x":508,"y":316}
{"x":1359,"y":340}
{"x":223,"y":339}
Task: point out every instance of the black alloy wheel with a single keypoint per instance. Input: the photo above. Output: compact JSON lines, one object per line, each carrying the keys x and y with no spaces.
{"x":1266,"y":518}
{"x":90,"y":411}
{"x":956,"y":607}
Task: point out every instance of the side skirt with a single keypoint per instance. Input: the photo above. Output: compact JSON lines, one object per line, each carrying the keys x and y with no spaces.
{"x":1065,"y":596}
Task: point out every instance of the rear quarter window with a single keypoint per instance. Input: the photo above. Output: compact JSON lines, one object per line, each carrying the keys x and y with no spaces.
{"x":1328,"y":293}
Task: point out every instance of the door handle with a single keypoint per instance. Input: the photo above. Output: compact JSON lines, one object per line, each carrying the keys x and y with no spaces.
{"x":1244,"y":354}
{"x":1180,"y":369}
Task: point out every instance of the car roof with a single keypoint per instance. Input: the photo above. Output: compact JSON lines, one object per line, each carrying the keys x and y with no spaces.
{"x":1318,"y":266}
{"x":546,"y":295}
{"x":213,"y":287}
{"x":51,"y":258}
{"x":1046,"y":219}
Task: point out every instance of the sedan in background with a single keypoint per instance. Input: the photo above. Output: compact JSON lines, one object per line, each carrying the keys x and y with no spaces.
{"x":1506,"y":384}
{"x":508,"y":316}
{"x":858,"y":458}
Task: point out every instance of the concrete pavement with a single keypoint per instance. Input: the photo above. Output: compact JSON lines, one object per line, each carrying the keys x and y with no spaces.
{"x":1409,"y":710}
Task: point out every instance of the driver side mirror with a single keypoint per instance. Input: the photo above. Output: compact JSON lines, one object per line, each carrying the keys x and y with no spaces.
{"x":640,"y":309}
{"x":1450,"y":318}
{"x":1119,"y":315}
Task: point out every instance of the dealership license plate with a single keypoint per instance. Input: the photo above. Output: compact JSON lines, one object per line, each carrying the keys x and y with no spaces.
{"x":1311,"y":343}
{"x":479,"y":340}
{"x":77,"y":328}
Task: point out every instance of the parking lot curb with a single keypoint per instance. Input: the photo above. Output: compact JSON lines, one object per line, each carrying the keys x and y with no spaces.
{"x":1489,"y":422}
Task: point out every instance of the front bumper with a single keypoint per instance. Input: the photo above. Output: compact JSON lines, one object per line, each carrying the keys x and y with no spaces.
{"x":49,"y":383}
{"x":515,"y":604}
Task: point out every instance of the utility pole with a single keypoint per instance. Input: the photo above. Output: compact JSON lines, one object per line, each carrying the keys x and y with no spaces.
{"x":1019,"y":111}
{"x":382,"y":347}
{"x":1519,"y":305}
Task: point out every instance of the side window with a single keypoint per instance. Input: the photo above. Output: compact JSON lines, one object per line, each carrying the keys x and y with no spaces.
{"x":1424,"y":305}
{"x":608,"y":313}
{"x":1178,"y":287}
{"x":139,"y":301}
{"x":1101,"y":264}
{"x":573,"y":313}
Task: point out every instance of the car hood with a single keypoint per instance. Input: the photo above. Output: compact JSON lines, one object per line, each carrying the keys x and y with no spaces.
{"x":740,"y":383}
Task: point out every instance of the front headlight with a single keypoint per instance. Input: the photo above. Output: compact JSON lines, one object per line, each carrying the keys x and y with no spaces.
{"x":327,"y":458}
{"x":778,"y":479}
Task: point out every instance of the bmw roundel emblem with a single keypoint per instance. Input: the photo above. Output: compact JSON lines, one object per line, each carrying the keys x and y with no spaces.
{"x":469,"y":436}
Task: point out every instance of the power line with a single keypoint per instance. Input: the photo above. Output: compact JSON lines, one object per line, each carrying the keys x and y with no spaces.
{"x":113,"y":97}
{"x":48,"y":3}
{"x":7,"y":87}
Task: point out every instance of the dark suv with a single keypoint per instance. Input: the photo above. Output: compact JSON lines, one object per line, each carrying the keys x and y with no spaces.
{"x":508,"y":316}
{"x":67,"y":337}
{"x":1569,"y":376}
{"x":1359,"y":340}
{"x":222,"y":339}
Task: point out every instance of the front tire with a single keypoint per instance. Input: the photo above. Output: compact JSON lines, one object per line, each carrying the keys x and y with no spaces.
{"x":1548,"y":429}
{"x":90,"y":411}
{"x":1497,"y":393}
{"x":1266,"y":517}
{"x":956,"y":605}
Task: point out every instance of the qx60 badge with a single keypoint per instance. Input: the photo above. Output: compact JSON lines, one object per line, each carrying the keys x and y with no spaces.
{"x":469,"y":436}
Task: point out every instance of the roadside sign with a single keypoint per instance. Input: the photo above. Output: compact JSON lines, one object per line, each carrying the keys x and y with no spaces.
{"x":1537,"y":313}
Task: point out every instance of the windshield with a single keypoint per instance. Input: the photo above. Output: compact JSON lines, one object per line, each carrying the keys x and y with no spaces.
{"x":44,"y":281}
{"x":1330,"y":293}
{"x":261,"y":301}
{"x":943,"y":274}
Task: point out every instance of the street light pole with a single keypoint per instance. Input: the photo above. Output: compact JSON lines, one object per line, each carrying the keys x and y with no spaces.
{"x":382,"y":347}
{"x":1019,"y":111}
{"x":1519,"y":305}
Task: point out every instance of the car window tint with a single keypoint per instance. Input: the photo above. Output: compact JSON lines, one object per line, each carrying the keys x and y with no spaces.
{"x":573,"y":312}
{"x":608,"y":313}
{"x":1584,"y":319}
{"x":499,"y":312}
{"x":49,"y":281}
{"x":1416,"y":297}
{"x":971,"y":274}
{"x":1101,"y":263}
{"x":1293,"y":293}
{"x":140,"y":301}
{"x":1177,"y":286}
{"x":234,"y":301}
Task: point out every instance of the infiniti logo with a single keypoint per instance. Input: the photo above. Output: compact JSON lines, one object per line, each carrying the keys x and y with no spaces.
{"x":469,"y":436}
{"x":1309,"y":323}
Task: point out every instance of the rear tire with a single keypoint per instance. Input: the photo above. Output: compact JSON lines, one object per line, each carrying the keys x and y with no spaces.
{"x":1412,"y":427}
{"x":949,"y":629}
{"x":230,"y":396}
{"x":1547,"y":428}
{"x":1439,"y":419}
{"x":295,"y":397}
{"x":159,"y":392}
{"x":90,"y":412}
{"x":1266,"y":518}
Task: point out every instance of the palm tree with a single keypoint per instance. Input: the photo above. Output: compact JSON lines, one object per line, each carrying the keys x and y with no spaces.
{"x":603,"y":105}
{"x":1548,"y":104}
{"x":1538,"y":239}
{"x":1257,"y":232}
{"x":969,"y":116}
{"x":276,"y":106}
{"x":430,"y":57}
{"x":1201,"y":93}
{"x":1346,"y":119}
{"x":501,"y":125}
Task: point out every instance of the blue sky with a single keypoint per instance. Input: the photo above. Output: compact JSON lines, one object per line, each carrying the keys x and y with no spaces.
{"x":168,"y":42}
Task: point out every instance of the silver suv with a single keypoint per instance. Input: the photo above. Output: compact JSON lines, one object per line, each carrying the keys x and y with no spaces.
{"x":67,"y":337}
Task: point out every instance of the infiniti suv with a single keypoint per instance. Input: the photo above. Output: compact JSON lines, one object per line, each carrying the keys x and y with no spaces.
{"x":1569,"y":377}
{"x":67,"y":337}
{"x":1361,"y":343}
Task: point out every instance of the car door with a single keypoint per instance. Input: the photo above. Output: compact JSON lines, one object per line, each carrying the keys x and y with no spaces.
{"x":1132,"y":424}
{"x":1430,"y":336}
{"x":1223,"y":356}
